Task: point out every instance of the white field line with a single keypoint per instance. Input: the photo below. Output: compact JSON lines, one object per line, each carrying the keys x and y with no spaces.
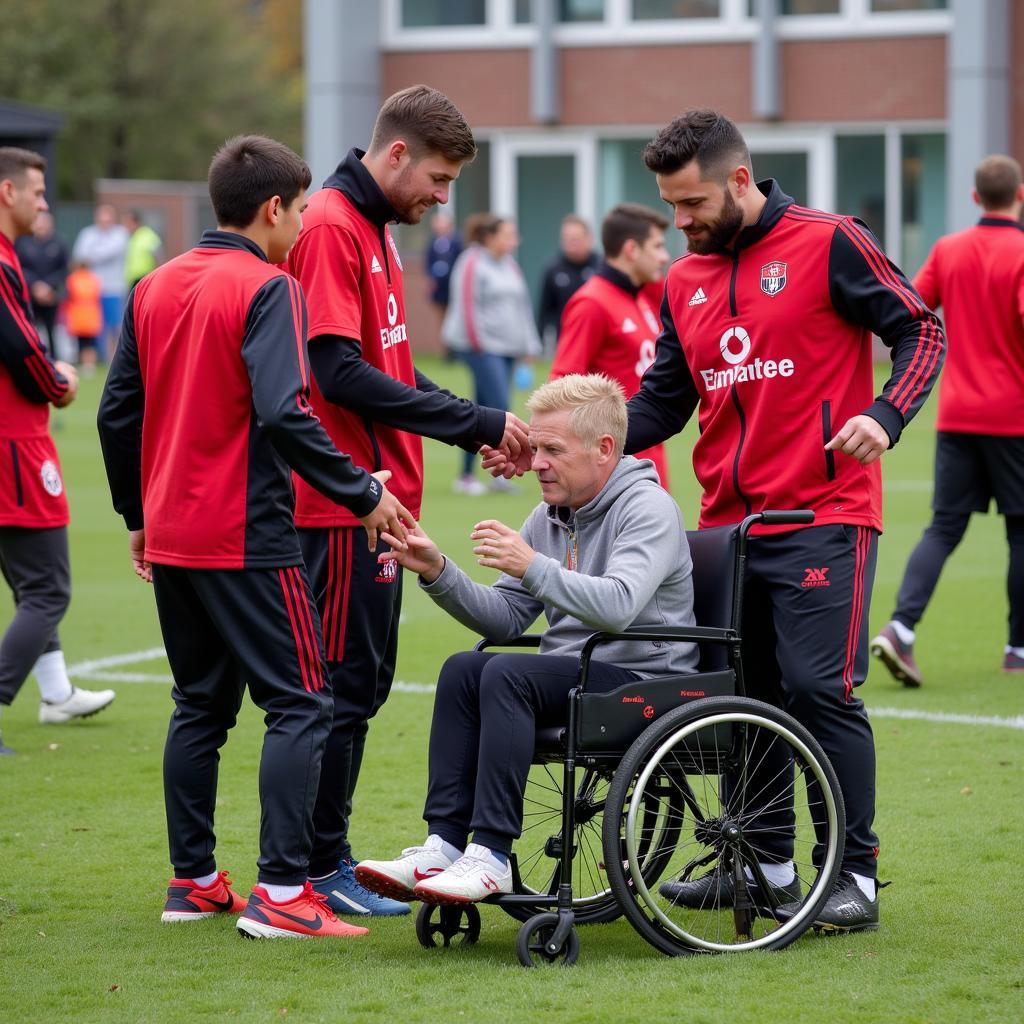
{"x":96,"y":670}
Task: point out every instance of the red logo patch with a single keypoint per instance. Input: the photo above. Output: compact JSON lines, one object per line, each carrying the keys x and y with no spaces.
{"x":388,"y":573}
{"x":815,"y":578}
{"x":773,"y":278}
{"x":649,"y":711}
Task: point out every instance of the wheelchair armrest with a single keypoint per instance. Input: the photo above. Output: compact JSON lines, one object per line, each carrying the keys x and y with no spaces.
{"x":526,"y":640}
{"x":668,"y":634}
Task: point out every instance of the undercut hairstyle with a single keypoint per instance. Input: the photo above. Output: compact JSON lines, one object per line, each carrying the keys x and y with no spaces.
{"x":703,"y":135}
{"x":629,"y":221}
{"x":596,"y":403}
{"x":427,"y":122}
{"x":14,"y":162}
{"x":247,"y":171}
{"x":996,"y":181}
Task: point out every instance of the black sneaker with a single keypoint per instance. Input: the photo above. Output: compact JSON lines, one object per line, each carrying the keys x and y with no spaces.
{"x":846,"y":910}
{"x":717,"y":889}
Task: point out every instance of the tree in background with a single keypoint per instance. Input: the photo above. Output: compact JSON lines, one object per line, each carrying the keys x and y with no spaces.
{"x":150,"y":88}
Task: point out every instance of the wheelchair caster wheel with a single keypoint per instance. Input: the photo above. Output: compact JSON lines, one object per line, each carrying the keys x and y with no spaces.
{"x":444,"y":926}
{"x":533,"y":943}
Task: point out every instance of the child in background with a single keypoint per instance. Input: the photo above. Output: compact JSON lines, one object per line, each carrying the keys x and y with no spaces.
{"x":83,"y":313}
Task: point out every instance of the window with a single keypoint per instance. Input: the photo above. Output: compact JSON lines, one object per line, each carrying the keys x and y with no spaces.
{"x":568,"y":10}
{"x":472,"y":192}
{"x":660,"y":10}
{"x":802,"y":7}
{"x":908,"y":5}
{"x":923,"y":171}
{"x":437,"y":13}
{"x":788,"y":169}
{"x":860,"y":179}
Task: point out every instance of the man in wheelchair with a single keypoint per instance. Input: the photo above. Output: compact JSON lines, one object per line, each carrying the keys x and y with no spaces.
{"x":604,"y":550}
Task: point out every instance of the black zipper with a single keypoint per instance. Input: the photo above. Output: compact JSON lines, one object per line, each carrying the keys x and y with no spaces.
{"x":384,"y":249}
{"x":732,"y":282}
{"x":826,"y":436}
{"x":19,"y":494}
{"x":739,"y":450}
{"x":368,"y":423}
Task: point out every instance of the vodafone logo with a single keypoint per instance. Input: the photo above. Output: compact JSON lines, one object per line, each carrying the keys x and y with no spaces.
{"x":395,"y":332}
{"x":735,"y":336}
{"x":392,"y":309}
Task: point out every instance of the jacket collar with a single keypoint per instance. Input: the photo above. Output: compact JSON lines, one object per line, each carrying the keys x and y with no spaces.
{"x":353,"y":180}
{"x":618,"y":278}
{"x":988,"y":221}
{"x":776,"y":204}
{"x":230,"y":240}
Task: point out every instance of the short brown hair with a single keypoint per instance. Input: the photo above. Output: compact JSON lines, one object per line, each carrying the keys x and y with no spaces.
{"x":575,"y":218}
{"x":629,"y":221}
{"x":996,"y":181}
{"x":427,"y":121}
{"x":703,"y":135}
{"x":247,"y":171}
{"x":14,"y":162}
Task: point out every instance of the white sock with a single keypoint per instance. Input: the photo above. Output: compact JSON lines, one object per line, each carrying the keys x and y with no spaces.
{"x":865,"y":884}
{"x":777,"y":874}
{"x":52,"y":677}
{"x":453,"y":853}
{"x":1018,"y":651}
{"x":204,"y":880}
{"x":282,"y":893}
{"x":905,"y":633}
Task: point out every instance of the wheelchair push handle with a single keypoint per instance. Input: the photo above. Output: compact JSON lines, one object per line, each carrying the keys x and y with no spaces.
{"x":796,"y":516}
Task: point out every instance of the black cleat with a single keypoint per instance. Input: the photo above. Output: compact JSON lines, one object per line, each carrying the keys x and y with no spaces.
{"x":717,"y":889}
{"x":846,"y":910}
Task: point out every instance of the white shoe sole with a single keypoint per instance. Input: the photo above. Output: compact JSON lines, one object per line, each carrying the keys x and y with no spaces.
{"x":882,"y":649}
{"x":176,"y":916}
{"x":251,"y":929}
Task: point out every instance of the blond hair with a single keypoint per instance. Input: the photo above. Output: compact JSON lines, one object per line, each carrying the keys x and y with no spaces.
{"x":597,"y":405}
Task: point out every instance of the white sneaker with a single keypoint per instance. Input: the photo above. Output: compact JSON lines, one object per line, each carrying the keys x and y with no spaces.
{"x":398,"y":878}
{"x":81,"y":704}
{"x":469,"y":485}
{"x":474,"y":876}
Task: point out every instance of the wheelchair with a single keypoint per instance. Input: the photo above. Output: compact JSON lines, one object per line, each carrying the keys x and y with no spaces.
{"x":667,"y":780}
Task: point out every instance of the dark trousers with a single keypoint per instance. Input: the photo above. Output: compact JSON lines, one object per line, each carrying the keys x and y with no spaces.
{"x":224,"y":629}
{"x":805,"y":632}
{"x":360,"y":602}
{"x":487,"y":709}
{"x":46,"y":318}
{"x":938,"y":542}
{"x":35,"y":565}
{"x":492,"y":386}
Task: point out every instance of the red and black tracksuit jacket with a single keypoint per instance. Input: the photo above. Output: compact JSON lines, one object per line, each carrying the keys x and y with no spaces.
{"x":771,"y":343}
{"x":206,"y":407}
{"x":31,"y":489}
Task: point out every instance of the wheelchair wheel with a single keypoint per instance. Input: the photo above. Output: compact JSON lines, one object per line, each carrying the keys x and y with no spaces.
{"x":533,"y":943}
{"x":756,"y":791}
{"x":538,"y":848}
{"x":438,"y":925}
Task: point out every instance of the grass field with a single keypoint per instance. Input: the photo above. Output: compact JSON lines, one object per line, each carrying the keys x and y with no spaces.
{"x":83,"y":852}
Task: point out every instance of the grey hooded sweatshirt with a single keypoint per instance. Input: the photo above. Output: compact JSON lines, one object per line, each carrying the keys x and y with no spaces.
{"x":633,"y":568}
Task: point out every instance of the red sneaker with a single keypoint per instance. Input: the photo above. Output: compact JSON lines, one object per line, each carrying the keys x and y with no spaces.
{"x":307,"y":916}
{"x":187,"y":901}
{"x":1012,"y":662}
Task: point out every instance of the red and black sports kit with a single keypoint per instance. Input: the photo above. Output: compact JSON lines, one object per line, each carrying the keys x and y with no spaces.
{"x":374,"y":404}
{"x":204,"y":414}
{"x":977,"y":277}
{"x":771,"y":344}
{"x":610,"y":327}
{"x":33,"y":505}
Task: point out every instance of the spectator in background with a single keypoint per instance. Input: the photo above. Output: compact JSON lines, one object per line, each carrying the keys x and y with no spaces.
{"x":573,"y":266}
{"x":44,"y":262}
{"x":144,"y":251}
{"x":102,"y":246}
{"x":489,"y":323}
{"x":84,"y":314}
{"x":443,"y":251}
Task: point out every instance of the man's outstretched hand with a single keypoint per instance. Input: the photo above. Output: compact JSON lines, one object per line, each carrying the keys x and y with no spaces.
{"x":513,"y":456}
{"x":418,"y":553}
{"x":390,"y":515}
{"x":500,"y":547}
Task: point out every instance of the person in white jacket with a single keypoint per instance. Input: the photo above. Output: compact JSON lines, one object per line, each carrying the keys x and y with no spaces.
{"x":489,"y":323}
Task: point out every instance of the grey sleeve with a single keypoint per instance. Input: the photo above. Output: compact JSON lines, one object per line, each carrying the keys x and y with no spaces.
{"x":499,"y":612}
{"x":646,"y":549}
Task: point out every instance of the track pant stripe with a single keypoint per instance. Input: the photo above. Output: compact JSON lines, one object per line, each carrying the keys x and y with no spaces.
{"x":309,"y":629}
{"x":330,"y":599}
{"x":861,"y":546}
{"x":346,"y":583}
{"x":299,"y":647}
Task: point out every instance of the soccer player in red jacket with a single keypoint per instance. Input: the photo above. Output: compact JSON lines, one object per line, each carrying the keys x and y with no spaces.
{"x":977,"y":277}
{"x":767,"y":324}
{"x":33,"y":505}
{"x":609,"y":325}
{"x":204,"y":413}
{"x":376,"y":405}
